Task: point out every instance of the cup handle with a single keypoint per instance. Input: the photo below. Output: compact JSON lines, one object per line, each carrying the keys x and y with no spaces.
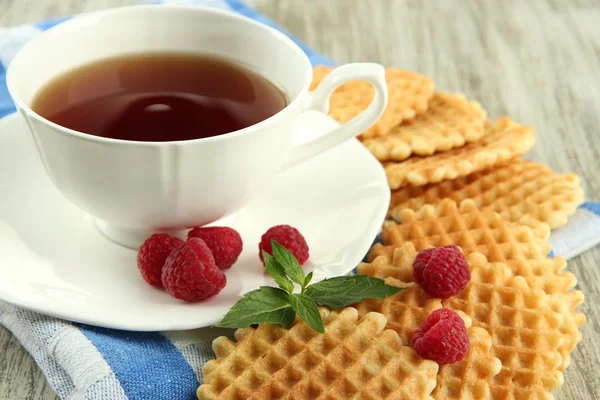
{"x":318,"y":100}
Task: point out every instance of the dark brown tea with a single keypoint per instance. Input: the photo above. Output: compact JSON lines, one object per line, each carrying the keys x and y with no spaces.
{"x":158,"y":97}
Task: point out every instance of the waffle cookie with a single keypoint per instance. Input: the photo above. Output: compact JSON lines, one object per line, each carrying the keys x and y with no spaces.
{"x":466,"y":226}
{"x":470,"y":377}
{"x":503,"y":141}
{"x":521,"y":191}
{"x":354,"y":359}
{"x":408,"y":95}
{"x":523,"y":327}
{"x":523,"y":250}
{"x":407,"y":310}
{"x":450,"y":121}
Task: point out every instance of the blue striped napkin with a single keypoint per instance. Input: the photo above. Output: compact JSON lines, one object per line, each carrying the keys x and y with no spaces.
{"x":84,"y":362}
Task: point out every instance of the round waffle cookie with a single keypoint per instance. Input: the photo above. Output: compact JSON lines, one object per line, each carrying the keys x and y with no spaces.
{"x":503,"y":141}
{"x":523,"y":250}
{"x":521,"y":191}
{"x":523,"y":327}
{"x":408,"y":95}
{"x":407,"y":310}
{"x":470,"y":377}
{"x":450,"y":121}
{"x":354,"y":359}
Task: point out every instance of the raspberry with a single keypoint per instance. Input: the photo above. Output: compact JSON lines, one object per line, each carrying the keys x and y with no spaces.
{"x":287,"y":236}
{"x":152,"y":256}
{"x":442,"y":337}
{"x":442,"y":272}
{"x":190,"y":272}
{"x":225,"y":243}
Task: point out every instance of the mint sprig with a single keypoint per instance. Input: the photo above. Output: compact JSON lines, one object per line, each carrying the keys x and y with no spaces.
{"x":280,"y":305}
{"x":277,"y":272}
{"x":265,"y":305}
{"x":343,"y":291}
{"x":306,"y":308}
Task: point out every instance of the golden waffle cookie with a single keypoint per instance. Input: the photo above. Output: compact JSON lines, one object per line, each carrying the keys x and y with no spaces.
{"x":469,"y":378}
{"x":393,"y":262}
{"x":522,"y":191}
{"x":408,"y":95}
{"x":523,"y":327}
{"x":450,"y":121}
{"x":503,"y":140}
{"x":547,"y":274}
{"x":522,"y":249}
{"x":354,"y":359}
{"x":405,"y":311}
{"x":466,"y":226}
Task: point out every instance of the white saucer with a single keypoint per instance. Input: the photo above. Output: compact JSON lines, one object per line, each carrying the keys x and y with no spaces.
{"x":54,"y":260}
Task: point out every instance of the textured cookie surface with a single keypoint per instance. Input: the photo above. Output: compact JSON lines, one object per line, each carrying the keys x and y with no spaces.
{"x":503,"y":141}
{"x":355,"y":359}
{"x":408,"y":95}
{"x":521,"y":326}
{"x":408,"y":309}
{"x":521,"y":191}
{"x":523,"y":250}
{"x":450,"y":121}
{"x":405,"y":311}
{"x":470,"y":377}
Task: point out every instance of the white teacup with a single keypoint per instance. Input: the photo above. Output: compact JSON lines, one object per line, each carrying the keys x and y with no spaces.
{"x":134,"y":188}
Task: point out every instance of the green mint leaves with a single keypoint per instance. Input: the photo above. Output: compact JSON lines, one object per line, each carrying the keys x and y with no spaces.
{"x":280,"y":305}
{"x":277,"y":272}
{"x":306,"y":308}
{"x":265,"y":305}
{"x":346,"y":290}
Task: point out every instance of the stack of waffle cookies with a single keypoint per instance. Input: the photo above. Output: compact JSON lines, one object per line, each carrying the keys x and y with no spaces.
{"x":517,"y":293}
{"x":436,"y":145}
{"x":456,"y":178}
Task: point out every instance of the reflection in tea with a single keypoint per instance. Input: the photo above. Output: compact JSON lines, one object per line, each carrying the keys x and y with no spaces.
{"x":158,"y":97}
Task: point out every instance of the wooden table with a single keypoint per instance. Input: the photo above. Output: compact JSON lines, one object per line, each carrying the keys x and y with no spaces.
{"x":538,"y":61}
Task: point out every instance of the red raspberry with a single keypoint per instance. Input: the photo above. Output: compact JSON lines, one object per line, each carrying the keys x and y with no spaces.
{"x":152,"y":256}
{"x":190,"y":272}
{"x":442,"y":337}
{"x":442,"y":272}
{"x":225,"y":243}
{"x":287,"y":236}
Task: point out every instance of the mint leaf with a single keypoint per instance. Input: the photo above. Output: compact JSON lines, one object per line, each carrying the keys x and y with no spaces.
{"x":307,"y":280}
{"x":343,"y":291}
{"x":308,"y":311}
{"x":265,"y":305}
{"x":289,"y":263}
{"x":277,"y":272}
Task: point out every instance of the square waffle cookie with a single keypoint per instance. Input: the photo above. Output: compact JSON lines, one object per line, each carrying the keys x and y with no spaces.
{"x":503,"y":141}
{"x":450,"y":121}
{"x":408,"y":95}
{"x":521,"y":191}
{"x":354,"y":359}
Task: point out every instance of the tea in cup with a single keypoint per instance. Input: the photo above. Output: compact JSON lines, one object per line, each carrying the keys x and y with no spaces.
{"x":159,"y":118}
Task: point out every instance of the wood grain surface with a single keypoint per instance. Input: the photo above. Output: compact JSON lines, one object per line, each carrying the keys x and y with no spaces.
{"x":537,"y":61}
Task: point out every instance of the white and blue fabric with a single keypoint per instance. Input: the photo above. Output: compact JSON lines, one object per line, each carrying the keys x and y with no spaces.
{"x":85,"y":362}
